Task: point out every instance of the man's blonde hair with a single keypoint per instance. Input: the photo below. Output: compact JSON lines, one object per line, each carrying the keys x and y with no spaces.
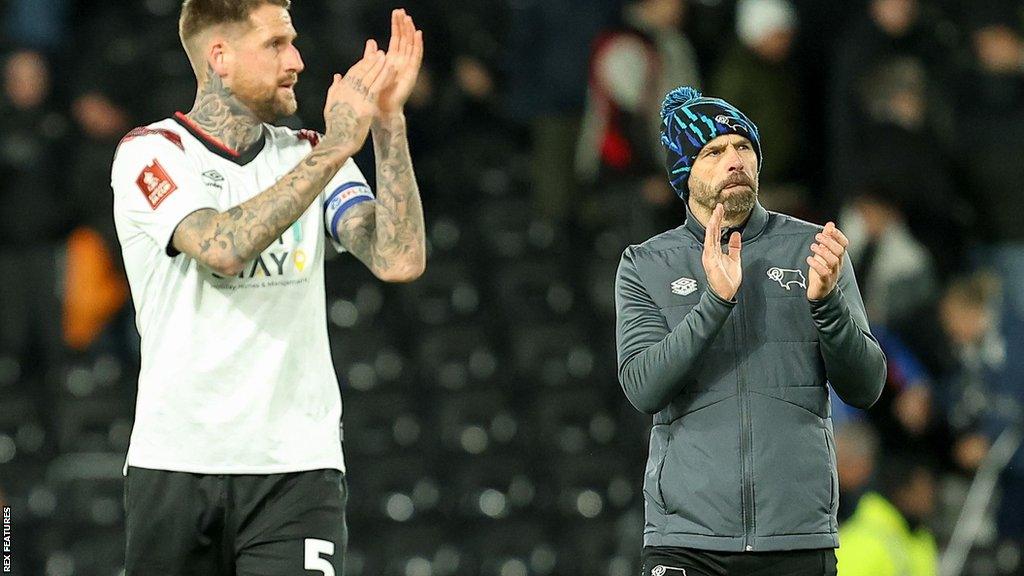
{"x":198,"y":16}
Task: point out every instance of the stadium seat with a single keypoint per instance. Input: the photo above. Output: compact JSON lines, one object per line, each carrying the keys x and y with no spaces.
{"x":503,"y":547}
{"x":94,"y":424}
{"x":482,"y":488}
{"x":85,"y":549}
{"x":356,"y":311}
{"x":447,"y":293}
{"x":88,"y":488}
{"x":552,"y":355}
{"x":370,"y":359}
{"x":598,"y":547}
{"x":97,"y":376}
{"x":344,"y":276}
{"x":23,"y":434}
{"x":399,"y":489}
{"x":596,"y":485}
{"x":599,"y":286}
{"x":509,"y":229}
{"x":422,"y":548}
{"x":455,"y":358}
{"x":573,"y":421}
{"x":449,"y":238}
{"x":534,"y":291}
{"x":477,"y":422}
{"x":383,"y":423}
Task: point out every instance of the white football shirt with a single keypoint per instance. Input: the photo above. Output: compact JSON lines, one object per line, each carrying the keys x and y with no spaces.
{"x":236,"y":374}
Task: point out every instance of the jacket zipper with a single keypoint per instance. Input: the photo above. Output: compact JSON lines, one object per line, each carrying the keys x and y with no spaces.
{"x":746,"y":441}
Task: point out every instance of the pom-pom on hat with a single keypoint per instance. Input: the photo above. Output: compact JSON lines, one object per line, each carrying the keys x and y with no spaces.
{"x":688,"y":122}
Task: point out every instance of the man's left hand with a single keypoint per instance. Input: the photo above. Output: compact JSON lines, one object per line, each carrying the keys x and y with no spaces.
{"x":405,"y":55}
{"x":826,"y":261}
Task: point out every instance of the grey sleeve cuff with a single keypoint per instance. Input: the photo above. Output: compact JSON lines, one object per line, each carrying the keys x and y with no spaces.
{"x":715,"y":297}
{"x":854,"y":362}
{"x":830,"y":310}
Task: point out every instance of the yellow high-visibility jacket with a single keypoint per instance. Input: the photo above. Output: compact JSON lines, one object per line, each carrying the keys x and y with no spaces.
{"x":877,"y":541}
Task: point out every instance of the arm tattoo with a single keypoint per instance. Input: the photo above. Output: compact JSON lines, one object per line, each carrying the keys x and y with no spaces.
{"x":226,"y":240}
{"x":388,"y":235}
{"x":342,"y":121}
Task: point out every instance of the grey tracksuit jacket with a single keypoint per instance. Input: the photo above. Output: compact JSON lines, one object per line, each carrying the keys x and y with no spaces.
{"x":742,"y":456}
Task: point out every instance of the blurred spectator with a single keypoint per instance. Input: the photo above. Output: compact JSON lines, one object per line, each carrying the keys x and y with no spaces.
{"x":758,"y":76}
{"x":889,"y":29}
{"x":957,"y":343}
{"x":856,"y":457}
{"x":991,"y":129}
{"x":901,"y":150}
{"x":470,"y":103}
{"x":894,"y":270}
{"x":35,"y":217}
{"x":39,"y":24}
{"x":632,"y":69}
{"x":549,"y":46}
{"x":95,"y":289}
{"x":426,"y":127}
{"x":905,"y":416}
{"x":888,"y":533}
{"x":101,"y":124}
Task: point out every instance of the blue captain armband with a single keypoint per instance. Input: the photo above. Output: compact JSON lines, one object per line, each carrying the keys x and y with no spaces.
{"x":341,"y":200}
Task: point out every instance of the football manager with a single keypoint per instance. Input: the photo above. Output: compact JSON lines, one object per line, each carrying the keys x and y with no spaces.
{"x":730,"y":330}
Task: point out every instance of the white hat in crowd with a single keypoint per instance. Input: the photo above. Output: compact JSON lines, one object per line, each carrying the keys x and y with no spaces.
{"x":758,"y":19}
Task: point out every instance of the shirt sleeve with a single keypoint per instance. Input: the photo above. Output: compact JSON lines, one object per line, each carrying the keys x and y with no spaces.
{"x":155,"y":188}
{"x":654,"y":359}
{"x":854,"y":361}
{"x":347,"y":189}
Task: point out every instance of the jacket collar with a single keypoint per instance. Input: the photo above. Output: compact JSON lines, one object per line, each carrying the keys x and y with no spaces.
{"x":749,"y":230}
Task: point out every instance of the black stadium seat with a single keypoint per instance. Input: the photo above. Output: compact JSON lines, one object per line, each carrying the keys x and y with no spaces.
{"x":455,"y":358}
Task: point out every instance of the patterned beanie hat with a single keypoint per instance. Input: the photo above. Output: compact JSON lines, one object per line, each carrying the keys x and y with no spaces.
{"x":688,"y":122}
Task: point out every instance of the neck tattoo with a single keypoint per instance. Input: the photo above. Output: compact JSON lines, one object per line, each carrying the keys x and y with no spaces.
{"x":222,"y":115}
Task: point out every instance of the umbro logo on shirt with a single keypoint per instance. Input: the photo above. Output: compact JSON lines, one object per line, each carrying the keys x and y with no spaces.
{"x":213,"y":178}
{"x":684,"y":286}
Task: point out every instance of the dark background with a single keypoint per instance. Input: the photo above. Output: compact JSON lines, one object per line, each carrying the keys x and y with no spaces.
{"x":485,"y":432}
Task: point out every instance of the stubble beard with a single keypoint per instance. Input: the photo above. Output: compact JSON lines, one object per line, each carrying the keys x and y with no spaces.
{"x":269,"y":107}
{"x":273,"y":108}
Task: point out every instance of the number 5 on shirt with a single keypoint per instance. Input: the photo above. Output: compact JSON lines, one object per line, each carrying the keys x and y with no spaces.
{"x":314,"y":548}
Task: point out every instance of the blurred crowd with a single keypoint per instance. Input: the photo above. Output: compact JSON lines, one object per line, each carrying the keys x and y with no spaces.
{"x":901,"y":119}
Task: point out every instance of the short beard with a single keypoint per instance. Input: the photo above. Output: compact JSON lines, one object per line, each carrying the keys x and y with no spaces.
{"x":267,"y":106}
{"x":271,"y":110}
{"x":736,"y":204}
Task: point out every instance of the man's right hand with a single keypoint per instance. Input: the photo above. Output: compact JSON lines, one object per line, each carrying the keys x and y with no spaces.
{"x":352,"y":100}
{"x":724,"y":270}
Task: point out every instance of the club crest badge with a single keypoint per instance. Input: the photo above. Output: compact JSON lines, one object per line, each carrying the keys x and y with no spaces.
{"x":787,"y":278}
